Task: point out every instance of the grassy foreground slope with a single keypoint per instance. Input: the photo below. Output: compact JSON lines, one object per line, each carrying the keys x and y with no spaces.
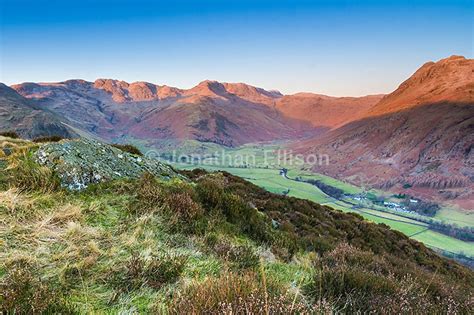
{"x":207,"y":243}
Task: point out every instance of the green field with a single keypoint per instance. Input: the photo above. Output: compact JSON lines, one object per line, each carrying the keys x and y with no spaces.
{"x":443,"y":242}
{"x":348,"y":188}
{"x":271,"y":180}
{"x":455,"y":216}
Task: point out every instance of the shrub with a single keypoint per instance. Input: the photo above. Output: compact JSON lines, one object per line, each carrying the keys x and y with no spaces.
{"x":128,"y":148}
{"x":353,"y":285}
{"x":22,"y":292}
{"x":149,"y":194}
{"x":210,"y":190}
{"x":255,"y":224}
{"x":215,"y":194}
{"x":176,"y":199}
{"x":10,"y":134}
{"x":242,"y":256}
{"x":180,"y":204}
{"x":155,"y":272}
{"x":360,"y":281}
{"x":48,"y":139}
{"x":164,"y":269}
{"x":236,"y":294}
{"x":181,"y":201}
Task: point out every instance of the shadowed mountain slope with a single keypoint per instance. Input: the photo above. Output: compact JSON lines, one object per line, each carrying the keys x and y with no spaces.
{"x":420,"y":135}
{"x":24,"y":117}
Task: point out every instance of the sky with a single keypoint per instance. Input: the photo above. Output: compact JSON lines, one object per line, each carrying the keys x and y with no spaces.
{"x":340,"y":48}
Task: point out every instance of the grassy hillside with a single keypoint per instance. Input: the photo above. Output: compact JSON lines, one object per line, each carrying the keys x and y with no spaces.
{"x":211,"y":243}
{"x":275,"y":183}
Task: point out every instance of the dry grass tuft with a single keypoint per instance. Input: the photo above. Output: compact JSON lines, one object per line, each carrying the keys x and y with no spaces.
{"x":63,"y":215}
{"x":11,"y":148}
{"x":25,"y":174}
{"x":153,"y":272}
{"x":17,"y":206}
{"x":12,"y":200}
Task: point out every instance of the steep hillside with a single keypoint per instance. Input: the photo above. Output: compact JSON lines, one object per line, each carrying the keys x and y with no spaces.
{"x":24,"y":117}
{"x":421,"y":135}
{"x":200,"y":243}
{"x":325,"y":111}
{"x":223,"y":113}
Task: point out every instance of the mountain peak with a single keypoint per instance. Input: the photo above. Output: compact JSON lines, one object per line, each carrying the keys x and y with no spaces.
{"x":209,"y":88}
{"x":455,"y":57}
{"x":251,"y":92}
{"x":137,"y":91}
{"x":118,"y":89}
{"x":76,"y":82}
{"x":447,"y":80}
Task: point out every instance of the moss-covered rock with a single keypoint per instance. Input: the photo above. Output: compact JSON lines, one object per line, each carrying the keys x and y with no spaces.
{"x":81,"y":162}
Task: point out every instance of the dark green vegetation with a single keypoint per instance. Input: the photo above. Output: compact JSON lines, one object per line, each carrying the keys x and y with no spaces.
{"x":48,"y":139}
{"x":128,"y":148}
{"x":425,"y":208}
{"x":10,"y":134}
{"x":211,"y":243}
{"x":327,"y":189}
{"x":465,"y":233}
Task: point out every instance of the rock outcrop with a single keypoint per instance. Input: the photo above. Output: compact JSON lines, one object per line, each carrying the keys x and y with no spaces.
{"x":82,"y":162}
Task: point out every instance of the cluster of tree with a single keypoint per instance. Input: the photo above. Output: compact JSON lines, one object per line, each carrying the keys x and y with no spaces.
{"x":459,"y":257}
{"x":462,"y":233}
{"x":419,"y":206}
{"x":327,"y":189}
{"x":400,"y":196}
{"x":378,"y":200}
{"x":422,"y":207}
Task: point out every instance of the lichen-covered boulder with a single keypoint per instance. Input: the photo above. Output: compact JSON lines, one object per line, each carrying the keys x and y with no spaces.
{"x":83,"y":161}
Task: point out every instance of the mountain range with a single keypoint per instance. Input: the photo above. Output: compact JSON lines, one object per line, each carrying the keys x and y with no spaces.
{"x":419,"y":136}
{"x":222,"y":113}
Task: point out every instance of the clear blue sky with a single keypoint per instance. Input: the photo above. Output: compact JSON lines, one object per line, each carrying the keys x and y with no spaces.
{"x":331,"y":47}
